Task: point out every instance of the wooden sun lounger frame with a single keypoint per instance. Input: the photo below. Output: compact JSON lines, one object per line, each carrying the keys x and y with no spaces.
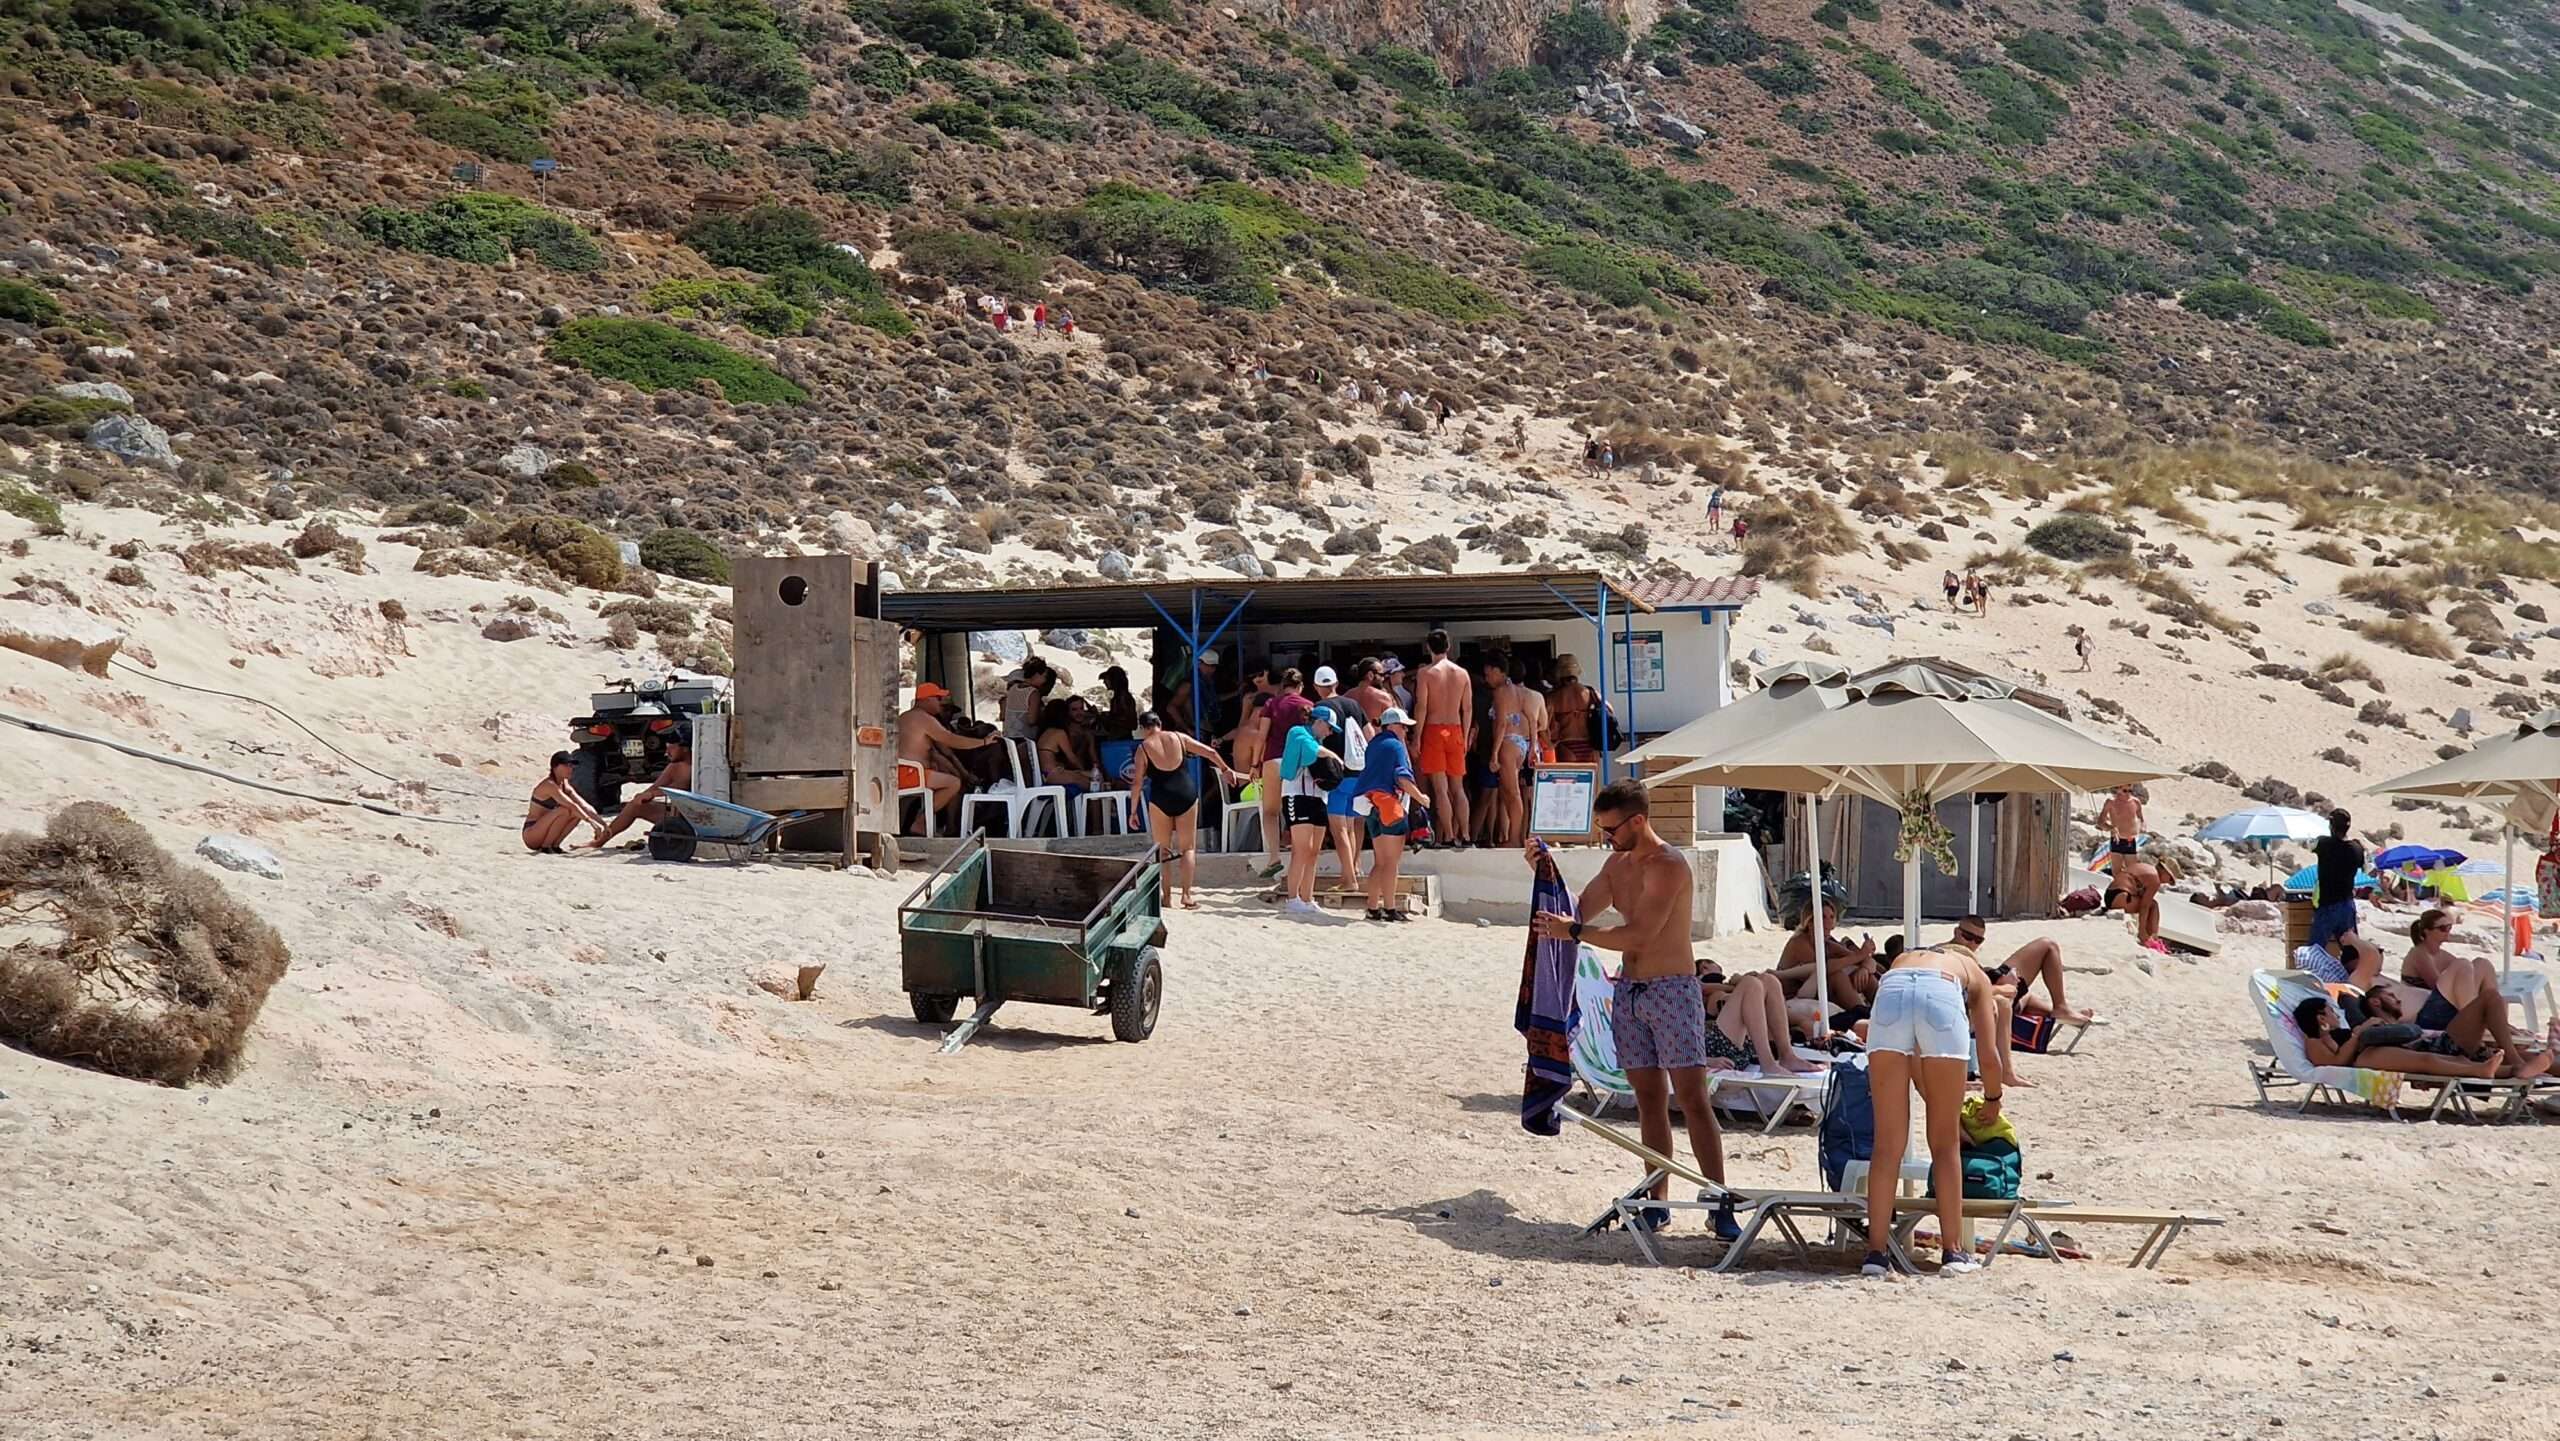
{"x":1756,"y":1210}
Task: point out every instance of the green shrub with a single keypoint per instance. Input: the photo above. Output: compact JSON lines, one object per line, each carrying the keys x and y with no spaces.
{"x":787,"y":245}
{"x":654,"y":357}
{"x":41,"y":511}
{"x":882,"y":173}
{"x":961,"y":120}
{"x":484,"y":228}
{"x":2024,"y":110}
{"x":686,"y":554}
{"x":67,"y":413}
{"x":466,"y":389}
{"x":1592,"y":270}
{"x":969,"y":259}
{"x":952,"y":29}
{"x":2046,"y":54}
{"x":1032,"y":35}
{"x":2239,"y":300}
{"x":728,"y":56}
{"x":1791,"y":73}
{"x":235,"y":235}
{"x":2077,"y":536}
{"x":2037,"y":299}
{"x":147,"y":175}
{"x":27,"y":305}
{"x":199,"y":36}
{"x":1578,"y":42}
{"x":575,"y":552}
{"x":513,"y":131}
{"x":754,"y":306}
{"x":882,"y":70}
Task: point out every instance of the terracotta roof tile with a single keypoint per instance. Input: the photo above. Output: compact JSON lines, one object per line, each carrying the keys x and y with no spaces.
{"x":1722,"y":591}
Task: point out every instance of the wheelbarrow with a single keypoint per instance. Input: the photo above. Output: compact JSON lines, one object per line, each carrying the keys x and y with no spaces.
{"x":732,"y":831}
{"x":1001,"y":924}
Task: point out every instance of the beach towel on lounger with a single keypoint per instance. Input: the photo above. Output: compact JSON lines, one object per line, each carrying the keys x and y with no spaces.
{"x":1545,"y":1014}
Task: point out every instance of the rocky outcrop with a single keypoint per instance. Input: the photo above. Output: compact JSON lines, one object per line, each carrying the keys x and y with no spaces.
{"x":72,"y":639}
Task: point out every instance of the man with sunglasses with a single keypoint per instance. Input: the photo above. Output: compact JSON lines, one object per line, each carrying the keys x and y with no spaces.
{"x":1658,"y":1013}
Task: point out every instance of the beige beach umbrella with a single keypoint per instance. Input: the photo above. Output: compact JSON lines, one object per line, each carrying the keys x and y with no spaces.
{"x":1787,"y":700}
{"x":1906,"y":743}
{"x":2516,"y":774}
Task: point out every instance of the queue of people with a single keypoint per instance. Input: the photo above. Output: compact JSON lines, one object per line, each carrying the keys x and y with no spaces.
{"x":1364,"y":760}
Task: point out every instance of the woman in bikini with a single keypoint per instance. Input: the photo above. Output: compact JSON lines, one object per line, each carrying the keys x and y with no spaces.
{"x":2384,"y":1042}
{"x":557,"y":809}
{"x":1172,"y":794}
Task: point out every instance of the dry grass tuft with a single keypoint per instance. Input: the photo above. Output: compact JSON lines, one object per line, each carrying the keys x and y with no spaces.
{"x":2401,"y":595}
{"x":2406,"y":633}
{"x":123,"y":960}
{"x":2333,"y":551}
{"x":2343,"y":667}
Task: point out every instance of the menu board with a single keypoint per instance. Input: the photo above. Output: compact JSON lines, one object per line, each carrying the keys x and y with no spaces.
{"x":1560,"y":800}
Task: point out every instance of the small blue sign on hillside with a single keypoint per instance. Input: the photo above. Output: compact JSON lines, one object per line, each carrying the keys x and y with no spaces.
{"x":546,"y":167}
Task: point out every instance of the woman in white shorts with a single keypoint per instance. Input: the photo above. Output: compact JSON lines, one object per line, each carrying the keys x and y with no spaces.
{"x":1918,"y":1033}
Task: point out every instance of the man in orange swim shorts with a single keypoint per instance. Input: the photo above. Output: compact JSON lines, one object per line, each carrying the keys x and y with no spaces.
{"x":1444,"y":694}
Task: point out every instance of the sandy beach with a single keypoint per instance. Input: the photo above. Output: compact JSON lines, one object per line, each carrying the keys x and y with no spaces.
{"x":532,"y":1147}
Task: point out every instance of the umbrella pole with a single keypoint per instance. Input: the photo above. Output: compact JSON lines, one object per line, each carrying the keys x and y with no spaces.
{"x":1911,"y":901}
{"x":2507,"y":908}
{"x":1821,"y":932}
{"x":1973,"y":856}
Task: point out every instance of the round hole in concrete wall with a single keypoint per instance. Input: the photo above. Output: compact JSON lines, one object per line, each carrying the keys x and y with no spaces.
{"x":794,"y":590}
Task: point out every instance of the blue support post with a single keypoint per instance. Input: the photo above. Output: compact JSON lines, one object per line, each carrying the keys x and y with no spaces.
{"x":1600,"y":628}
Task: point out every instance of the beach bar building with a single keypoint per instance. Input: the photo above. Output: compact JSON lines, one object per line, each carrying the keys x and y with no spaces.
{"x":1657,"y":651}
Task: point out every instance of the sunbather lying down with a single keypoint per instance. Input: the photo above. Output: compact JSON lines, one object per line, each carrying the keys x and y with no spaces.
{"x":2465,"y":1049}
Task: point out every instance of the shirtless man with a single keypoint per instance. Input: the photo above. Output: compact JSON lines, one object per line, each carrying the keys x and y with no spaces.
{"x":2122,"y":818}
{"x":1519,"y":727}
{"x":1369,"y":687}
{"x":1795,"y":963}
{"x":648,"y":806}
{"x":1446,"y":702}
{"x":1659,"y":1012}
{"x":920,"y":729}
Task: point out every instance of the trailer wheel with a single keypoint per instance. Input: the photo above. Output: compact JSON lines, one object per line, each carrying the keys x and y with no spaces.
{"x":931,"y":1009}
{"x":1137,"y":994}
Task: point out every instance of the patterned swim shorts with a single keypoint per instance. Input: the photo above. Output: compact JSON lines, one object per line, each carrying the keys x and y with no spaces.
{"x":1660,"y":1024}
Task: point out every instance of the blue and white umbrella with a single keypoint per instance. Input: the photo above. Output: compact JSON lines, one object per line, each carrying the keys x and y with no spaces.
{"x":2417,"y":858}
{"x":2263,"y":826}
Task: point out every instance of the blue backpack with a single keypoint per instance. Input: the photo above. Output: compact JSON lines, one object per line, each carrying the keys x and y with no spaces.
{"x":1848,"y":1131}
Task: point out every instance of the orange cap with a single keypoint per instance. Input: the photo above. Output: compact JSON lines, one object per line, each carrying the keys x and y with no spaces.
{"x":929,"y":691}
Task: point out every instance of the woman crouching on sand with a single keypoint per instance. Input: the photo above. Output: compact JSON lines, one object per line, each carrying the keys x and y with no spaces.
{"x":557,"y":809}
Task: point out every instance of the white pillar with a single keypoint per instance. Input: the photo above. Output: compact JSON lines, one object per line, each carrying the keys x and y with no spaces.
{"x":1911,"y":901}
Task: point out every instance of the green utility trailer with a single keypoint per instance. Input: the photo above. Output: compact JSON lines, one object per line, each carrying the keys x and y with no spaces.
{"x":1003,"y":924}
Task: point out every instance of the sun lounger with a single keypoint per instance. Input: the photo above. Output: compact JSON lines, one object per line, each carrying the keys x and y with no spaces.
{"x":1757,"y":1211}
{"x":2044,"y":1218}
{"x":2184,"y":923}
{"x":2289,"y":1067}
{"x":1595,"y":1060}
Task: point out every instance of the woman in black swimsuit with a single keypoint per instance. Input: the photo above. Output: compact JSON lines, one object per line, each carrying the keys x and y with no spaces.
{"x":557,"y":809}
{"x":1163,"y":779}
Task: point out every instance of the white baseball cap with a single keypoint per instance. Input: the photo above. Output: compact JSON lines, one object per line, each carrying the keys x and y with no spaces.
{"x":1325,"y":676}
{"x":1395,"y":716}
{"x":1208,"y":657}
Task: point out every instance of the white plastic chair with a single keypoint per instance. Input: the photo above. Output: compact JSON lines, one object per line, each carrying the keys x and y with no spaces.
{"x":1016,"y":802}
{"x":1233,"y":811}
{"x":1114,"y":801}
{"x":920,"y":793}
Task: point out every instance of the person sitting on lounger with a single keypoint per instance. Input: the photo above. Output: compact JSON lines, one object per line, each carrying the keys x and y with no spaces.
{"x":1795,"y":961}
{"x":2428,"y":1053}
{"x":1747,"y":1024}
{"x":649,"y":805}
{"x":2015,"y":978}
{"x":2479,"y":1025}
{"x":2344,"y":961}
{"x":2430,"y":967}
